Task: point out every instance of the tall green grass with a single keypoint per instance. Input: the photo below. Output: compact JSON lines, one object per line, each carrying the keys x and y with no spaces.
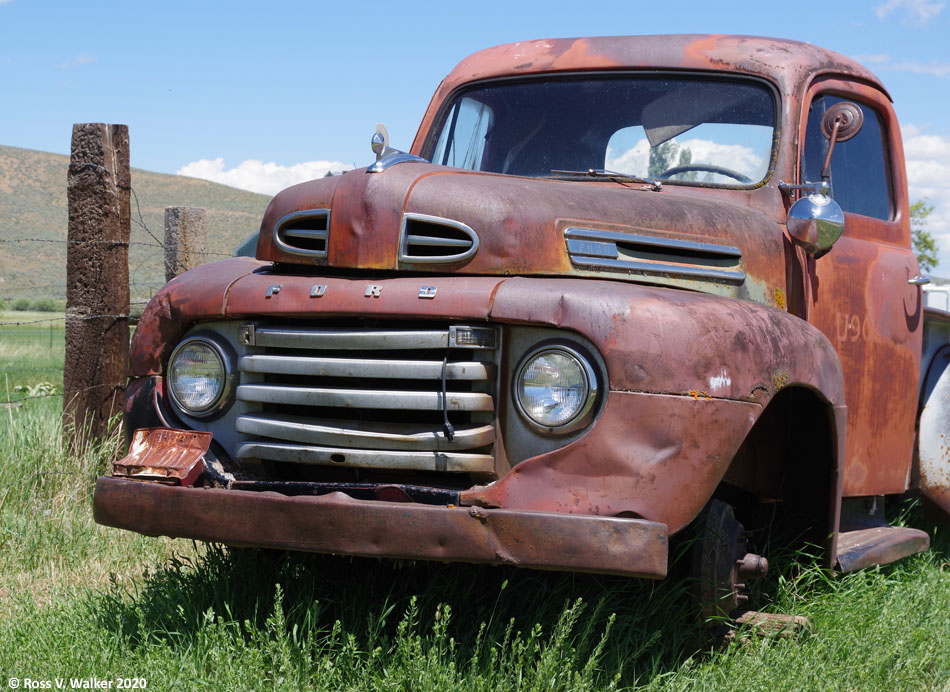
{"x":81,"y":600}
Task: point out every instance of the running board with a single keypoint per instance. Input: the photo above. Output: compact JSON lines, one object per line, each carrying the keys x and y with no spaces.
{"x":879,"y":545}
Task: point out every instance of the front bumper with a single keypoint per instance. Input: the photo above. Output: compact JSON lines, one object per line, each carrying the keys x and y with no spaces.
{"x":337,"y":523}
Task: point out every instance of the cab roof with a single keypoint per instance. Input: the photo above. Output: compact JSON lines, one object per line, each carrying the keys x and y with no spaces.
{"x":790,"y":65}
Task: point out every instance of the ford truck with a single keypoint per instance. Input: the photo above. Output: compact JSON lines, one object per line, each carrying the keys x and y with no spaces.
{"x":614,"y":285}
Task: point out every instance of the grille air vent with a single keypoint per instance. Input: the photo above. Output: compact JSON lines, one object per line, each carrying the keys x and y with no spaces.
{"x":432,"y":239}
{"x":304,"y":232}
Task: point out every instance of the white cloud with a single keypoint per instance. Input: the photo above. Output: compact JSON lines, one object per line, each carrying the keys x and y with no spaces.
{"x":915,"y":11}
{"x":928,"y":176}
{"x":78,"y":61}
{"x":635,"y":160}
{"x":882,"y":61}
{"x":257,"y":176}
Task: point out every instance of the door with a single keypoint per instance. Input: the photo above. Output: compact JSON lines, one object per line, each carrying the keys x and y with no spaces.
{"x":858,"y":294}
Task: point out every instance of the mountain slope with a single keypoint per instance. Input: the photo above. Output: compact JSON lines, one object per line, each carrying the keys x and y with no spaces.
{"x":33,"y":222}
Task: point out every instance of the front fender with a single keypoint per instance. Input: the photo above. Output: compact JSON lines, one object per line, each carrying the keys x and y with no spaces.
{"x":689,"y":374}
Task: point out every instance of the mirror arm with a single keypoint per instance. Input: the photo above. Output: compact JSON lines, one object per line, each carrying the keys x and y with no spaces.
{"x":826,"y":167}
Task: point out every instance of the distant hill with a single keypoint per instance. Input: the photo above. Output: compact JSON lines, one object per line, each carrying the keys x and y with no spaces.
{"x":33,"y":207}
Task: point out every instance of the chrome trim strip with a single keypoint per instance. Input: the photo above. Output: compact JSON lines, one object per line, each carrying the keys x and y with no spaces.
{"x":657,"y":268}
{"x":303,"y":233}
{"x":392,"y":158}
{"x":364,"y":398}
{"x":654,"y":241}
{"x":396,"y":436}
{"x":308,"y":213}
{"x":366,"y":367}
{"x":364,"y":458}
{"x":404,"y":238}
{"x":431,"y":241}
{"x":370,"y":339}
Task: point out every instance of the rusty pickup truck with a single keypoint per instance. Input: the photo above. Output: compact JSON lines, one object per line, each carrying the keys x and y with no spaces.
{"x":614,"y":285}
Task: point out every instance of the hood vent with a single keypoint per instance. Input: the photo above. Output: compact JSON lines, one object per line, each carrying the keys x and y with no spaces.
{"x":653,"y":255}
{"x":303,"y":232}
{"x":431,"y":239}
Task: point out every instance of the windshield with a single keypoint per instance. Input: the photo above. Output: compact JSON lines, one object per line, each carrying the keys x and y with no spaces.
{"x":690,"y":130}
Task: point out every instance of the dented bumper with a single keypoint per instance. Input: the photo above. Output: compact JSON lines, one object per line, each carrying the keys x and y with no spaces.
{"x":337,"y":523}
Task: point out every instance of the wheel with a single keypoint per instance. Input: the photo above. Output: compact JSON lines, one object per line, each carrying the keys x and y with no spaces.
{"x":721,"y":563}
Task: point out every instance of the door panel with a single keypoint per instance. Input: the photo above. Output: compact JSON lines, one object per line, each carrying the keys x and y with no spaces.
{"x":859,"y":297}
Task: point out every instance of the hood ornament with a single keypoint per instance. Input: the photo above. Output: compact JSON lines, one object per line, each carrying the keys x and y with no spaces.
{"x":386,"y":156}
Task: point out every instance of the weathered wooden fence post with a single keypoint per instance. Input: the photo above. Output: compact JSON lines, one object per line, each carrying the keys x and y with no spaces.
{"x":185,"y":231}
{"x":97,"y":277}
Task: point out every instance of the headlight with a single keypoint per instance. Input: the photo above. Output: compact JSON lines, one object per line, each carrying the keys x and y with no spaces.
{"x":198,"y":375}
{"x":555,"y":389}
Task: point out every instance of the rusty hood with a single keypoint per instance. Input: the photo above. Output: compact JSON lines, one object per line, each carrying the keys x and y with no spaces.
{"x":528,"y":226}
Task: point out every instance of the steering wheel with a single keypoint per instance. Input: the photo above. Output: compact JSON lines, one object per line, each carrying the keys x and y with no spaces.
{"x":705,"y":168}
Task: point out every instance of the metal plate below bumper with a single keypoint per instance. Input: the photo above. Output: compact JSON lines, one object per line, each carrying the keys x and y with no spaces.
{"x":337,"y":523}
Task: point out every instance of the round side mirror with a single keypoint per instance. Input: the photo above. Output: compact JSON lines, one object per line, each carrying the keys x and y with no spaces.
{"x":815,"y":222}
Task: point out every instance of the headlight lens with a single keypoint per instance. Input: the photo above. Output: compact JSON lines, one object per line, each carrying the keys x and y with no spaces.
{"x":555,"y":388}
{"x":197,"y":376}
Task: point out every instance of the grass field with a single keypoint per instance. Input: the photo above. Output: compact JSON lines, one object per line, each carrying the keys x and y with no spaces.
{"x":78,"y":600}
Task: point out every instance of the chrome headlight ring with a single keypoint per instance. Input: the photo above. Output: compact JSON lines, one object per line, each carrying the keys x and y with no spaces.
{"x":572,"y":403}
{"x":209,"y":362}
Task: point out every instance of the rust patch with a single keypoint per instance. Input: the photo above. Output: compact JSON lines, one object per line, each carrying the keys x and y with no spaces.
{"x":779,"y":381}
{"x":778,"y":295}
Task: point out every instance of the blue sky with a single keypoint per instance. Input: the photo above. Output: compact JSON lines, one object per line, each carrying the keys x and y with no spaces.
{"x":258,"y":95}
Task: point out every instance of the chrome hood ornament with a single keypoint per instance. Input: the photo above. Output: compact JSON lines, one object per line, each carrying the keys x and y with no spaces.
{"x":385,"y":155}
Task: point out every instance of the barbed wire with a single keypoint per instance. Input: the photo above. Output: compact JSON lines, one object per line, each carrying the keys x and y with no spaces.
{"x":141,"y":220}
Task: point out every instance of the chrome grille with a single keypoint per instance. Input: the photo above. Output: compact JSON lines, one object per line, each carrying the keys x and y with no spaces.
{"x":369,"y":398}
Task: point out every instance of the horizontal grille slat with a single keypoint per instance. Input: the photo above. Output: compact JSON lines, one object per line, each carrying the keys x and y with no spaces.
{"x":362,"y":435}
{"x":373,"y":339}
{"x":364,"y":398}
{"x":367,"y":458}
{"x":366,"y":367}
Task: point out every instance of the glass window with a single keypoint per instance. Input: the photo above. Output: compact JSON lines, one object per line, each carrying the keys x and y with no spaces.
{"x":683,"y":130}
{"x":860,"y":168}
{"x":465,"y":131}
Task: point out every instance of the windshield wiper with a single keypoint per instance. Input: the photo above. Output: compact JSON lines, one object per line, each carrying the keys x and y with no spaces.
{"x":609,"y":175}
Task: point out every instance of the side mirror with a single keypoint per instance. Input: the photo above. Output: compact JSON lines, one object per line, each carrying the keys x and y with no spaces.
{"x":816,"y":222}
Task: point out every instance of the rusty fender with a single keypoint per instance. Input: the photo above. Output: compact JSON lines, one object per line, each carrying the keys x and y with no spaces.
{"x":337,"y":523}
{"x":689,"y":374}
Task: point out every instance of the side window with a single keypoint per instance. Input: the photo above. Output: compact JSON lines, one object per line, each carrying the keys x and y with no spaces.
{"x":860,"y":166}
{"x":462,"y":140}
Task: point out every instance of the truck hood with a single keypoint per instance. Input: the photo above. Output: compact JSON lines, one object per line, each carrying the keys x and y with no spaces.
{"x":420,"y":217}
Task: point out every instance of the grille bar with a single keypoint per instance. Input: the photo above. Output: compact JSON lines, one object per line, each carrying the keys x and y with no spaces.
{"x":369,"y":339}
{"x":363,"y":435}
{"x":367,"y":458}
{"x":366,"y":367}
{"x":364,"y":398}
